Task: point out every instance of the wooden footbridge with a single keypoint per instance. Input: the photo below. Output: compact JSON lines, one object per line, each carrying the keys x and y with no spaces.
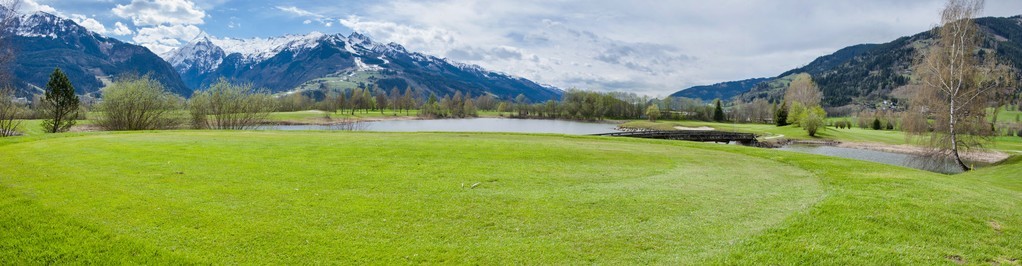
{"x":689,"y":135}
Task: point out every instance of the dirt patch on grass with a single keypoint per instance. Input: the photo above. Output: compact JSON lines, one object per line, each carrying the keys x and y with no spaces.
{"x":996,"y":226}
{"x":85,"y":128}
{"x":956,"y":259}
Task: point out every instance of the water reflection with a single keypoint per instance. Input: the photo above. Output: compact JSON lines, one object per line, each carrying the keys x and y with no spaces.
{"x":472,"y":125}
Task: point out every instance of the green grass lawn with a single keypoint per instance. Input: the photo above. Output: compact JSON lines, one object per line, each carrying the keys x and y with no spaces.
{"x":35,"y":126}
{"x":1005,"y":144}
{"x":266,"y":197}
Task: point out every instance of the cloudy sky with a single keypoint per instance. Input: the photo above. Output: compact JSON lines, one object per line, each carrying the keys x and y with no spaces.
{"x":648,"y":47}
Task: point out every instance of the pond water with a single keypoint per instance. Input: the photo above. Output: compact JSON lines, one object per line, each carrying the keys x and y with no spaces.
{"x":471,"y":125}
{"x":899,"y":159}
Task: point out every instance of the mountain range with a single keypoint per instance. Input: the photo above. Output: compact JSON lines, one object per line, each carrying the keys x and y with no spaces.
{"x":43,"y":42}
{"x":314,"y":61}
{"x":866,"y":74}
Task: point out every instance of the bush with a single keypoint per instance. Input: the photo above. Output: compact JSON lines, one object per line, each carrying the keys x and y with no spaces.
{"x":653,"y":112}
{"x":812,"y":119}
{"x":228,"y":106}
{"x":843,"y":124}
{"x":138,"y":103}
{"x":876,"y":124}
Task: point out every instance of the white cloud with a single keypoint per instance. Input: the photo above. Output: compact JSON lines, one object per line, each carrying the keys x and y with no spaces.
{"x":89,"y":23}
{"x":31,"y":6}
{"x":311,"y":16}
{"x":651,"y":47}
{"x":161,"y":12}
{"x":431,"y":40}
{"x":298,"y":11}
{"x":121,"y":29}
{"x":161,"y":39}
{"x":163,"y":24}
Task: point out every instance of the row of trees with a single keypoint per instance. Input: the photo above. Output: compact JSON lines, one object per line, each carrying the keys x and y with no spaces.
{"x":9,"y":109}
{"x":143,"y":103}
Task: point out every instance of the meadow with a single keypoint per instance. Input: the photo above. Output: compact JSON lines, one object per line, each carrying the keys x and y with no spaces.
{"x":268,"y":197}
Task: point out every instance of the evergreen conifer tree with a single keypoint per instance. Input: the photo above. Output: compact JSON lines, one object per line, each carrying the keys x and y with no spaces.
{"x":781,"y":116}
{"x":718,"y":113}
{"x":60,"y":103}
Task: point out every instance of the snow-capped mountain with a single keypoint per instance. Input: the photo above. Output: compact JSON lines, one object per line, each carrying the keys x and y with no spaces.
{"x":44,"y":41}
{"x":318,"y":60}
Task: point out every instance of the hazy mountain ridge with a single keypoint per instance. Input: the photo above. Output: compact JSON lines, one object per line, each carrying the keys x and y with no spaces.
{"x":723,"y":90}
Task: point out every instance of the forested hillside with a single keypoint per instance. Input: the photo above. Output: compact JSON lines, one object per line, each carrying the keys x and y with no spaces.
{"x":866,"y":74}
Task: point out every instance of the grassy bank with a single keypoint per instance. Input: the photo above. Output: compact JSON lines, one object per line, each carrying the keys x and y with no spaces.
{"x":342,"y":197}
{"x":894,"y":137}
{"x":791,"y":132}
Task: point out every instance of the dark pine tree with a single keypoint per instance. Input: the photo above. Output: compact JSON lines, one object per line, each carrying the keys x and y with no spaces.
{"x":781,"y":116}
{"x":61,"y":103}
{"x":718,"y":113}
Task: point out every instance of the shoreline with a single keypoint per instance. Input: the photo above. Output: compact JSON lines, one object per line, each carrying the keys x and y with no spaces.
{"x":988,"y":156}
{"x":337,"y":121}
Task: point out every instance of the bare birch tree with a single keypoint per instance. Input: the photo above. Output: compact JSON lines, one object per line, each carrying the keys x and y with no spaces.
{"x":802,"y":95}
{"x":8,"y":16}
{"x":956,"y":87}
{"x":9,"y":109}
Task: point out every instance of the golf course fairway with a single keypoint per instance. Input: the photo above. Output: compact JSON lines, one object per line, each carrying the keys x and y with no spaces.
{"x":268,"y":197}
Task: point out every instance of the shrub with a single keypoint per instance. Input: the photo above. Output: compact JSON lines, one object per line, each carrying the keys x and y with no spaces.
{"x":652,"y":112}
{"x":812,"y":119}
{"x":138,"y":103}
{"x":227,"y":106}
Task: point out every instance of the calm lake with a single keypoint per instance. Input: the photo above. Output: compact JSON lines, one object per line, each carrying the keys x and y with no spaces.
{"x":907,"y":160}
{"x":473,"y":125}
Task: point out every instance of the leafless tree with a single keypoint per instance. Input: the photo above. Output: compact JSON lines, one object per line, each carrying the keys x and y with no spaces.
{"x":803,"y":90}
{"x":957,"y":86}
{"x":8,"y":19}
{"x":228,"y":106}
{"x":802,"y":95}
{"x":10,"y":111}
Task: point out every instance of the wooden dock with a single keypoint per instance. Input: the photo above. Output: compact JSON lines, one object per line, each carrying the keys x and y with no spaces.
{"x":689,"y":135}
